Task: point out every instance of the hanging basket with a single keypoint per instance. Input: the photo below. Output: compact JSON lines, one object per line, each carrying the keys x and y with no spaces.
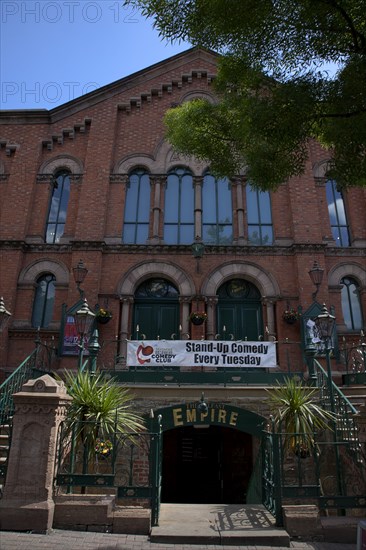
{"x":104,"y":320}
{"x":198,"y":317}
{"x":290,"y":320}
{"x":103,"y":316}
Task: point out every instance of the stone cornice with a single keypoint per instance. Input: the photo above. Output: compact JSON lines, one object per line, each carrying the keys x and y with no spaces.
{"x":165,"y":88}
{"x":156,"y":249}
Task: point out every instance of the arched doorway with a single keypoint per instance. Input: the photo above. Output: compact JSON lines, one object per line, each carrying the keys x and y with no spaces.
{"x":239,"y":310}
{"x":156,"y":310}
{"x":206,"y":464}
{"x":208,"y":453}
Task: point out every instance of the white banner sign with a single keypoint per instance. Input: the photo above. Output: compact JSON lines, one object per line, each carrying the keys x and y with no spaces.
{"x":206,"y":353}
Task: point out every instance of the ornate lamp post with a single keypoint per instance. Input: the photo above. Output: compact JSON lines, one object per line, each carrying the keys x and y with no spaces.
{"x":324,"y":324}
{"x":80,"y":272}
{"x":316,"y":276}
{"x":84,"y":319}
{"x":4,"y":315}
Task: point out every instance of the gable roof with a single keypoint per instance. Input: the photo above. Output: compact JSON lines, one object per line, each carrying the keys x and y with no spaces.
{"x":200,"y":60}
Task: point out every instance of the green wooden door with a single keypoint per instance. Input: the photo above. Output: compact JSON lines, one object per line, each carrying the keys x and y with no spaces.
{"x":239,"y":311}
{"x":156,"y":311}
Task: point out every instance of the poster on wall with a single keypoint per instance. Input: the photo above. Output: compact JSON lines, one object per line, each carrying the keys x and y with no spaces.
{"x":206,"y":353}
{"x":71,"y":338}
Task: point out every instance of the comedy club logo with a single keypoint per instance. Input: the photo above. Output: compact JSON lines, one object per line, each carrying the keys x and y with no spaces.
{"x":144,"y":354}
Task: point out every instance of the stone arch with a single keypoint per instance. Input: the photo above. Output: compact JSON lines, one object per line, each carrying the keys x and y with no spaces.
{"x":167,"y":158}
{"x":266,"y":284}
{"x":140,"y":273}
{"x":349,"y":269}
{"x":66,"y":162}
{"x":183,"y":414}
{"x":128,"y":163}
{"x":190,"y":96}
{"x":33,"y":271}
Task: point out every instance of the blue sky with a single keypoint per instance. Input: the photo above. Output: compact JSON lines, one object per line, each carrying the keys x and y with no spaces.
{"x":52,"y":51}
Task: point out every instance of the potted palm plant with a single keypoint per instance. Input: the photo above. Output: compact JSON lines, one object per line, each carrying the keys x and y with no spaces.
{"x":100,"y":410}
{"x":298,"y":415}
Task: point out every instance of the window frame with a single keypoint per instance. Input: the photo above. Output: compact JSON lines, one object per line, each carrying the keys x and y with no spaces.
{"x":43,"y":306}
{"x":57,"y":223}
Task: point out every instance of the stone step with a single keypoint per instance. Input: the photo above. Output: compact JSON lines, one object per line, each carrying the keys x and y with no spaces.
{"x":219,"y":524}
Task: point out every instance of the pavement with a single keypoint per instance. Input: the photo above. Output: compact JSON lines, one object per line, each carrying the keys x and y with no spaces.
{"x":181,"y":527}
{"x":78,"y":540}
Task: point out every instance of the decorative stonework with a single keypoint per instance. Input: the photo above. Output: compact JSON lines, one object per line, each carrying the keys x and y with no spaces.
{"x":28,"y":503}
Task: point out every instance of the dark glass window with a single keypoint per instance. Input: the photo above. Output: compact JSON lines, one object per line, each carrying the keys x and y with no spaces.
{"x":351,"y":304}
{"x":337,"y":214}
{"x":179,"y":208}
{"x":44,"y":301}
{"x":217,"y":211}
{"x":137,"y":209}
{"x":58,"y":208}
{"x":239,"y":311}
{"x":259,"y":216}
{"x":156,"y":311}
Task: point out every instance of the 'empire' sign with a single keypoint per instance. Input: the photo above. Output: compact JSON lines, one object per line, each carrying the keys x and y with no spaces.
{"x":190,"y":353}
{"x":183,"y":416}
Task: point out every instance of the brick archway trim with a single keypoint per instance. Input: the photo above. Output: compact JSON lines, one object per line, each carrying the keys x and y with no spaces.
{"x":347,"y":270}
{"x":31,"y":273}
{"x":60,"y":162}
{"x":136,"y":275}
{"x":266,"y":284}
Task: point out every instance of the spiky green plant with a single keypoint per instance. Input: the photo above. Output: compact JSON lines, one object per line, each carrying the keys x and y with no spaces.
{"x":297,"y":414}
{"x":100,"y":407}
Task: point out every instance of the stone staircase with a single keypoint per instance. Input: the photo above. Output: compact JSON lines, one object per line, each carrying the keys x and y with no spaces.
{"x":356,"y":395}
{"x":4,"y":451}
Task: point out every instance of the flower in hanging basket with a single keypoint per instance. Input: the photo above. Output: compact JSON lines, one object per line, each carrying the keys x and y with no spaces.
{"x":103,"y":315}
{"x":198,"y":317}
{"x":290,"y":315}
{"x":103,"y":448}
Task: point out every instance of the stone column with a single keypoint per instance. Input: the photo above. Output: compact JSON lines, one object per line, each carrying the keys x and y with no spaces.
{"x":27,"y":504}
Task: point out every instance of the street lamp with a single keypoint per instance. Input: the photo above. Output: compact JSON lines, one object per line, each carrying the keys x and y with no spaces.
{"x":4,"y":315}
{"x":84,"y":319}
{"x":80,"y":272}
{"x":324,"y":324}
{"x":316,"y":276}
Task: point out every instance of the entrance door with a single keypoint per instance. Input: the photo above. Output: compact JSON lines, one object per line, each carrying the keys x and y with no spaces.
{"x":206,"y":465}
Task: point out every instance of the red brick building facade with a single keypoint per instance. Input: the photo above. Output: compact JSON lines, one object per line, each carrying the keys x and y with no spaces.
{"x":100,"y":139}
{"x":95,"y":180}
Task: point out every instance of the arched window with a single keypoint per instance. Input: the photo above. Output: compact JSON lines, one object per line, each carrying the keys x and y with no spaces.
{"x":179,"y":208}
{"x":156,"y":310}
{"x":239,"y":311}
{"x":259,"y":216}
{"x":217,"y":211}
{"x":44,"y":300}
{"x":337,"y":214}
{"x":137,"y":208}
{"x":351,"y":304}
{"x":58,"y":207}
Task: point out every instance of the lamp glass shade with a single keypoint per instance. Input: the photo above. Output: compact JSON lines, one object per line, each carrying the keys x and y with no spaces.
{"x":4,"y":314}
{"x":316,"y":274}
{"x":79,"y":272}
{"x":84,"y":319}
{"x":324,"y":323}
{"x":198,"y":249}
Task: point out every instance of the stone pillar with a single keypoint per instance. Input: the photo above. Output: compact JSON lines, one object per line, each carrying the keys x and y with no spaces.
{"x":27,"y":504}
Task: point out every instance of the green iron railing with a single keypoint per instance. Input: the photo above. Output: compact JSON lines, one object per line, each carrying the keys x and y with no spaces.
{"x":128,"y":462}
{"x":36,"y":364}
{"x":220,"y":377}
{"x":345,"y":426}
